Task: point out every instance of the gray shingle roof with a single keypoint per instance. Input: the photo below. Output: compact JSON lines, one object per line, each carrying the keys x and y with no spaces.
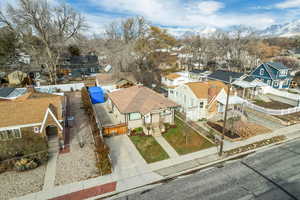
{"x":4,"y":92}
{"x":277,"y":65}
{"x":224,"y":76}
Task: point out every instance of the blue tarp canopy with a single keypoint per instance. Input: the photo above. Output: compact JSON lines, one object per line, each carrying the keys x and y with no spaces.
{"x":97,"y":95}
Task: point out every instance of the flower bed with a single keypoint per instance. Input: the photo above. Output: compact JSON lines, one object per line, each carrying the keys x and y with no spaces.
{"x":255,"y":145}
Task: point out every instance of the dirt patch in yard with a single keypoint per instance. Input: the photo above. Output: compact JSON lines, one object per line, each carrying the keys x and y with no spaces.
{"x":248,"y":129}
{"x":15,"y":184}
{"x":80,"y":163}
{"x":276,"y":105}
{"x":239,"y":129}
{"x":293,"y":118}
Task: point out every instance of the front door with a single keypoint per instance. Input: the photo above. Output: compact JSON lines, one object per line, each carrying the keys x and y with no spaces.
{"x":51,"y":131}
{"x":148,"y":119}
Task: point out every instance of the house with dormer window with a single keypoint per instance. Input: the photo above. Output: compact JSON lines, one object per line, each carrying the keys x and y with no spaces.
{"x":273,"y":74}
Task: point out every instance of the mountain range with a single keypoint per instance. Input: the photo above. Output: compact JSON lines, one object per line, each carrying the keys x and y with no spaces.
{"x":289,"y":29}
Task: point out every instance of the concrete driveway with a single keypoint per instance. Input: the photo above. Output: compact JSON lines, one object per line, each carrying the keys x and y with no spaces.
{"x":127,"y":161}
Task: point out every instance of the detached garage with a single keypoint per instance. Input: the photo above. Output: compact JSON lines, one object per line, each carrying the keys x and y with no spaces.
{"x":97,"y":95}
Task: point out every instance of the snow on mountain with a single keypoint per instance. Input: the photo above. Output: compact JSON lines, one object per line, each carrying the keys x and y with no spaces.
{"x":181,"y":32}
{"x":289,"y":29}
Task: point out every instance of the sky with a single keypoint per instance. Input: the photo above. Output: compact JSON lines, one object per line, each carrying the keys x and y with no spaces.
{"x":187,"y":13}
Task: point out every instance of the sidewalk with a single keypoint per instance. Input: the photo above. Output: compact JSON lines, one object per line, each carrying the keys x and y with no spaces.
{"x":166,"y":146}
{"x":158,"y":171}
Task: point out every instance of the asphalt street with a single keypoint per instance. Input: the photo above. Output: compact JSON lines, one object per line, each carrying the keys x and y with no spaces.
{"x":273,"y":174}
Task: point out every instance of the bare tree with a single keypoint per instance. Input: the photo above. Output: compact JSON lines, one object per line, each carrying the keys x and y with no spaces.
{"x":53,"y":25}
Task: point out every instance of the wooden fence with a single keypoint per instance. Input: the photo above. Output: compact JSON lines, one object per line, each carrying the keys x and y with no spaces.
{"x":118,"y":129}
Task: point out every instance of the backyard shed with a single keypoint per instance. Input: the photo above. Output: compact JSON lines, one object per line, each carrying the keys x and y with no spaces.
{"x":97,"y":95}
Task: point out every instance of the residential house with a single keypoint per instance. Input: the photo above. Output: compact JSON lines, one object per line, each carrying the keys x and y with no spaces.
{"x":110,"y":81}
{"x":199,"y":74}
{"x":31,"y":113}
{"x":198,"y":99}
{"x":139,"y":106}
{"x":248,"y":86}
{"x":273,"y":74}
{"x":79,"y":66}
{"x":175,"y":79}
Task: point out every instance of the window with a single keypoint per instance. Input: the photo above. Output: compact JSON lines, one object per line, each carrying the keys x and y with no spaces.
{"x":171,"y":91}
{"x":201,"y":105}
{"x":10,"y":134}
{"x":135,"y":116}
{"x":275,"y":83}
{"x":269,"y":82}
{"x":262,"y":72}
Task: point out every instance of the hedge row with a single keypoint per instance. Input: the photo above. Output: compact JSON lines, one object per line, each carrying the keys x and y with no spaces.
{"x":101,"y":149}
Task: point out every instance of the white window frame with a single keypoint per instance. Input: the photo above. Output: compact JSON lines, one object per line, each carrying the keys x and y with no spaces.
{"x":269,"y":82}
{"x":262,"y":71}
{"x":201,"y":105}
{"x":134,"y":116}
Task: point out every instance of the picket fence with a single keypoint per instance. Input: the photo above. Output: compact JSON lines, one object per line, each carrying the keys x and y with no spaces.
{"x":62,"y":87}
{"x":271,"y":111}
{"x":288,"y":95}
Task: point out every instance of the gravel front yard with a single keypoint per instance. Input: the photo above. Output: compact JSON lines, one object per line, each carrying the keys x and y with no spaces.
{"x":80,"y":163}
{"x":16,"y":184}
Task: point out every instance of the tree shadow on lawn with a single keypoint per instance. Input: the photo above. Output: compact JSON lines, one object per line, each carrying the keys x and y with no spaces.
{"x":185,"y":140}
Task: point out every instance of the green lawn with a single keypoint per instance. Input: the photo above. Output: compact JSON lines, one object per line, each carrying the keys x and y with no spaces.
{"x":149,"y":148}
{"x":182,"y":144}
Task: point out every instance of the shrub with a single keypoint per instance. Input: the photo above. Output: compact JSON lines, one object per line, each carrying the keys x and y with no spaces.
{"x":25,"y":164}
{"x":139,"y":129}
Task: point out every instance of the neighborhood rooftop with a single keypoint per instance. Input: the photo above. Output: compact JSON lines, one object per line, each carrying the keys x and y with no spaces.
{"x":139,"y":99}
{"x":30,"y":110}
{"x":109,"y":78}
{"x":200,"y":89}
{"x":224,"y":76}
{"x":277,"y":65}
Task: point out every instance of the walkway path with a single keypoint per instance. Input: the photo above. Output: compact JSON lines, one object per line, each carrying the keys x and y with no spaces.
{"x":166,"y":146}
{"x":51,"y":165}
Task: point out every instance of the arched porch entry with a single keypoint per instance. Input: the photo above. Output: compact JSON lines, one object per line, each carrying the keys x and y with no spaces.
{"x":51,"y":131}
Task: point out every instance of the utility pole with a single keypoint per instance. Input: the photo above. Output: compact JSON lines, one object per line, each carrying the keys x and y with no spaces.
{"x":225,"y":118}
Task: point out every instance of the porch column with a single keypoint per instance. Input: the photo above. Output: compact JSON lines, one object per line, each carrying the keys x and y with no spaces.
{"x":173,"y":116}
